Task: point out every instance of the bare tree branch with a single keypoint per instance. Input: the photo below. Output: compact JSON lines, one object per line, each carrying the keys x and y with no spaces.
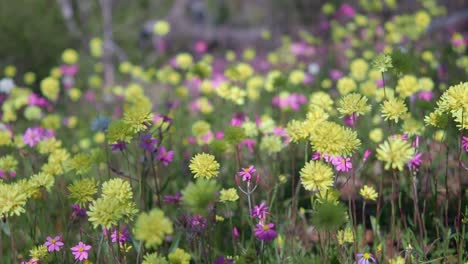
{"x":108,"y":46}
{"x":68,"y":15}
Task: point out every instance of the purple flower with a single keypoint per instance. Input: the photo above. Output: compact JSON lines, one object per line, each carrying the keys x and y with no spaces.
{"x":147,"y":142}
{"x":34,"y":135}
{"x":235,"y":232}
{"x":80,"y":251}
{"x":246,"y":173}
{"x":165,"y":156}
{"x":316,"y":156}
{"x":53,"y":244}
{"x":365,"y":258}
{"x":415,"y":162}
{"x":124,"y":235}
{"x":425,"y":96}
{"x":249,"y":143}
{"x":238,"y":119}
{"x":342,"y":164}
{"x":177,"y":198}
{"x":265,"y":232}
{"x":465,"y":143}
{"x":260,"y":211}
{"x":120,"y":145}
{"x":78,"y":211}
{"x":367,"y":154}
{"x":223,"y":260}
{"x":197,"y":223}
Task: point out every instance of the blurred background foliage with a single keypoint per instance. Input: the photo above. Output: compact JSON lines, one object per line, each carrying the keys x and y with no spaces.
{"x":33,"y":33}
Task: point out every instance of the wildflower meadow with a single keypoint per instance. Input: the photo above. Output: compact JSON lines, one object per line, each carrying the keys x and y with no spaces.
{"x":345,"y":141}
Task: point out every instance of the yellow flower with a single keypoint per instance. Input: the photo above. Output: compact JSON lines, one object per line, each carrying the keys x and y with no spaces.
{"x":50,"y":87}
{"x":5,"y":138}
{"x":346,"y":85}
{"x":345,"y":236}
{"x":82,"y":191}
{"x":296,"y":77}
{"x":38,"y":252}
{"x":393,"y":109}
{"x":152,"y":227}
{"x":353,"y":103}
{"x":395,"y":153}
{"x":162,"y":27}
{"x":70,"y":56}
{"x":184,"y":60}
{"x":407,"y":86}
{"x":368,"y":193}
{"x":333,"y":139}
{"x":137,"y":118}
{"x":316,"y":175}
{"x":297,"y":130}
{"x":179,"y":256}
{"x":271,"y":144}
{"x":359,"y":68}
{"x":204,"y":165}
{"x":200,"y":128}
{"x":454,"y":99}
{"x":12,"y":199}
{"x":228,"y":195}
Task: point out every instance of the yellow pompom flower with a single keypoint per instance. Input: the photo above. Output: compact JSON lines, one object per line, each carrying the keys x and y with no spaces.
{"x":393,"y":109}
{"x":38,"y":252}
{"x":152,"y":227}
{"x":184,"y":60}
{"x":316,"y":175}
{"x":96,"y":47}
{"x":204,"y":165}
{"x":82,"y":191}
{"x":454,"y":99}
{"x":228,"y":195}
{"x":353,"y":103}
{"x":368,"y":193}
{"x":359,"y":68}
{"x":271,"y":144}
{"x":407,"y":86}
{"x":137,"y":118}
{"x":70,"y":56}
{"x":297,"y":130}
{"x":74,"y":94}
{"x":346,"y":85}
{"x":200,"y":128}
{"x":42,"y":180}
{"x":345,"y":236}
{"x":161,"y":28}
{"x":29,"y":78}
{"x":296,"y":77}
{"x":422,"y":20}
{"x":50,"y":87}
{"x":333,"y":139}
{"x":179,"y":256}
{"x":5,"y":138}
{"x":376,"y":135}
{"x":395,"y":153}
{"x":12,"y":199}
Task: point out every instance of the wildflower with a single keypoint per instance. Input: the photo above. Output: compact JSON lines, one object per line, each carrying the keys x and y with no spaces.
{"x":223,"y":260}
{"x":120,"y":145}
{"x":177,"y":198}
{"x":368,"y":193}
{"x":53,"y":244}
{"x":199,"y":196}
{"x":31,"y":261}
{"x":415,"y":162}
{"x":80,"y":251}
{"x":12,"y":199}
{"x":345,"y":236}
{"x":235,"y":232}
{"x":161,"y":27}
{"x":70,"y":56}
{"x":204,"y":165}
{"x":50,"y":88}
{"x":246,"y":173}
{"x":34,"y":135}
{"x":393,"y":109}
{"x":395,"y":153}
{"x":297,"y":130}
{"x":315,"y":175}
{"x":78,"y":211}
{"x":43,"y":180}
{"x":154,"y":258}
{"x":179,"y":256}
{"x":38,"y":253}
{"x":365,"y":258}
{"x":342,"y":164}
{"x":353,"y":103}
{"x":165,"y":156}
{"x":123,"y":236}
{"x":329,"y":215}
{"x":397,"y":260}
{"x":137,"y":118}
{"x":265,"y":232}
{"x":333,"y":139}
{"x":260,"y":211}
{"x":228,"y":195}
{"x":407,"y":86}
{"x":147,"y":142}
{"x":346,"y":85}
{"x":271,"y":144}
{"x":382,"y":62}
{"x":197,"y":223}
{"x":152,"y":227}
{"x":454,"y":99}
{"x":465,"y":143}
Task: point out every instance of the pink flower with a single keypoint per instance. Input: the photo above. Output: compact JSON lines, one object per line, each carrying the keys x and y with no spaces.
{"x":260,"y":211}
{"x":53,"y":244}
{"x":235,"y":232}
{"x":31,"y":261}
{"x":465,"y":143}
{"x":249,"y":143}
{"x":238,"y":119}
{"x":165,"y":156}
{"x":347,"y":10}
{"x":34,"y":135}
{"x":316,"y":156}
{"x":80,"y":251}
{"x":265,"y":232}
{"x":415,"y":162}
{"x":201,"y":46}
{"x":246,"y":173}
{"x":425,"y":96}
{"x":342,"y":164}
{"x":367,"y":153}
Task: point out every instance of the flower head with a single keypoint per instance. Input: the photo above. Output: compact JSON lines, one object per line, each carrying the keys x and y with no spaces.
{"x":316,"y":175}
{"x":365,"y":258}
{"x":342,"y":164}
{"x":53,"y":244}
{"x":382,"y":62}
{"x":260,"y":211}
{"x":228,"y":195}
{"x":152,"y":227}
{"x":179,"y":256}
{"x":204,"y":165}
{"x":147,"y":142}
{"x":368,"y":193}
{"x":265,"y":232}
{"x":353,"y":103}
{"x":165,"y":156}
{"x":393,"y":109}
{"x":395,"y":153}
{"x":246,"y":173}
{"x":80,"y":251}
